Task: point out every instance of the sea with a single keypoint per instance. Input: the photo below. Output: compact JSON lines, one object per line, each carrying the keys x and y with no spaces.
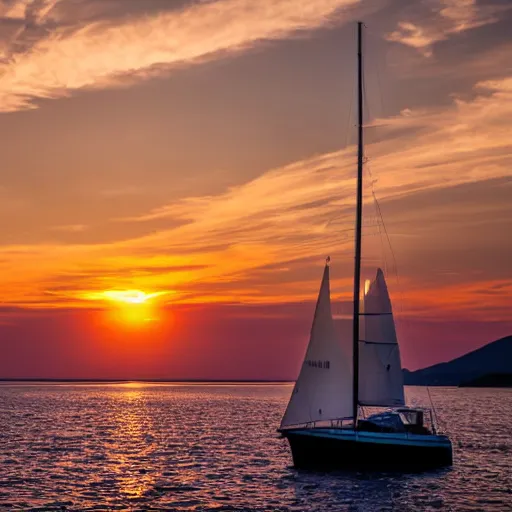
{"x":214,"y":447}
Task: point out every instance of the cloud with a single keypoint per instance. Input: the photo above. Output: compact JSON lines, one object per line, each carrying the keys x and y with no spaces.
{"x":304,"y":210}
{"x":103,"y":54}
{"x":71,"y":228}
{"x":122,"y":191}
{"x":15,"y":10}
{"x":257,"y":242}
{"x":483,"y":300}
{"x":448,"y":17}
{"x":469,"y":138}
{"x":36,"y":11}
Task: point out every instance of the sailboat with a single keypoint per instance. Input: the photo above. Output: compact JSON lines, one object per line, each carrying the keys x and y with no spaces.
{"x":321,"y":421}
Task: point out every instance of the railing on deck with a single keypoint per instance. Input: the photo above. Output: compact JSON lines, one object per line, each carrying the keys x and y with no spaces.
{"x":334,"y":423}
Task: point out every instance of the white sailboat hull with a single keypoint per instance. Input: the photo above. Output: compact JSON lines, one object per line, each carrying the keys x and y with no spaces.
{"x":345,"y":448}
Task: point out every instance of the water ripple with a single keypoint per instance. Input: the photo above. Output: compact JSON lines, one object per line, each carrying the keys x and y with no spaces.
{"x":215,"y":448}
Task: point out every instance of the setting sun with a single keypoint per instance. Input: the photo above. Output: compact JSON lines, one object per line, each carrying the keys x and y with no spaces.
{"x":130,"y":307}
{"x":130,"y":296}
{"x":134,"y":313}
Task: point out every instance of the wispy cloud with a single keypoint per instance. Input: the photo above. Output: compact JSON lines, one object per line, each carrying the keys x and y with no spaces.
{"x":449,"y":17}
{"x":27,"y":20}
{"x":103,"y":54}
{"x":223,"y":247}
{"x":71,"y":228}
{"x":30,"y":11}
{"x":469,"y":138}
{"x":485,"y":300}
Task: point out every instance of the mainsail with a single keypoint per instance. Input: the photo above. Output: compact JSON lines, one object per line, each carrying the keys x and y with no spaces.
{"x":323,"y":390}
{"x":380,"y":371}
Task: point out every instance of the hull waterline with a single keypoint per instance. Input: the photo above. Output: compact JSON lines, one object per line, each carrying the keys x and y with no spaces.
{"x":340,"y":449}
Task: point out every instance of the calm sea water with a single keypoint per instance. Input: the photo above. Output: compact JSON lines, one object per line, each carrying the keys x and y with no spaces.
{"x":215,"y":448}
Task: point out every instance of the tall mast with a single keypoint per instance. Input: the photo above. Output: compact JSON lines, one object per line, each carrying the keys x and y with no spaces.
{"x":359,"y":214}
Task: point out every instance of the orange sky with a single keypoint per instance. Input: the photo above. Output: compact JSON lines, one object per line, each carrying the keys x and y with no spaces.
{"x":204,"y":152}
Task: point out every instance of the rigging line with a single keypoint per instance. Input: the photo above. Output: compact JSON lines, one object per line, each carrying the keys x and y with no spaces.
{"x":350,"y":107}
{"x":390,"y":247}
{"x":382,"y":248}
{"x":380,"y":90}
{"x":376,"y":202}
{"x":379,"y":212}
{"x":377,"y":205}
{"x":367,"y":168}
{"x":370,"y":34}
{"x":347,"y":130}
{"x":367,"y":109}
{"x":383,"y":252}
{"x":365,"y":101}
{"x":433,"y":407}
{"x":379,"y":86}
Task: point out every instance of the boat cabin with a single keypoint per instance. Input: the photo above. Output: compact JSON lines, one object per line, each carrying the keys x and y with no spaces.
{"x":399,"y":420}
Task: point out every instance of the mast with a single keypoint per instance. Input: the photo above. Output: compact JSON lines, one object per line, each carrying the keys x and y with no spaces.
{"x":359,"y":214}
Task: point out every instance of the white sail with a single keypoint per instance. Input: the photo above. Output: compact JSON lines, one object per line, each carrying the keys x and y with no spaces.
{"x":380,"y":371}
{"x":323,"y":390}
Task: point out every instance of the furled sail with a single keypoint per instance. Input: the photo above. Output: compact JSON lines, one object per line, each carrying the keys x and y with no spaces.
{"x":323,"y":390}
{"x":380,"y":371}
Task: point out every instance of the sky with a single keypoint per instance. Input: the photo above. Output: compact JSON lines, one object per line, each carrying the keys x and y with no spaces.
{"x":201,"y":155}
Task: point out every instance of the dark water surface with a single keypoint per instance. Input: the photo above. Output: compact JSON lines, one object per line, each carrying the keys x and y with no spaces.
{"x":215,"y":447}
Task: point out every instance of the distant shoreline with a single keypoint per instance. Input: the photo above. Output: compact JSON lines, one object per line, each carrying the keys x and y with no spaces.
{"x":149,"y":381}
{"x":489,"y":380}
{"x":184,"y":381}
{"x":170,"y":381}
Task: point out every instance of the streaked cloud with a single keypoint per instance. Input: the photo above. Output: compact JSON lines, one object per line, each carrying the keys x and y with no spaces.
{"x":113,"y":53}
{"x":483,"y":300}
{"x":469,"y":138}
{"x":257,"y":242}
{"x":261,"y":240}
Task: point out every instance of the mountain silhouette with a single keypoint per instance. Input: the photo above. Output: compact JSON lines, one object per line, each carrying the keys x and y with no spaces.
{"x":493,"y":358}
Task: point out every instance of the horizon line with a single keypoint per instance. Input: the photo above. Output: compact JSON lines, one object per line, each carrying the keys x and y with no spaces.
{"x":156,"y":381}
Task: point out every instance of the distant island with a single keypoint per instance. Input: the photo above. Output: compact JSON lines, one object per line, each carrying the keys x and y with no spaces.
{"x":476,"y":368}
{"x":490,"y":380}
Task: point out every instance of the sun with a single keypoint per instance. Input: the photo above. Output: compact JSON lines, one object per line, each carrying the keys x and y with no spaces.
{"x":130,"y":296}
{"x":133,"y":308}
{"x":134,"y":314}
